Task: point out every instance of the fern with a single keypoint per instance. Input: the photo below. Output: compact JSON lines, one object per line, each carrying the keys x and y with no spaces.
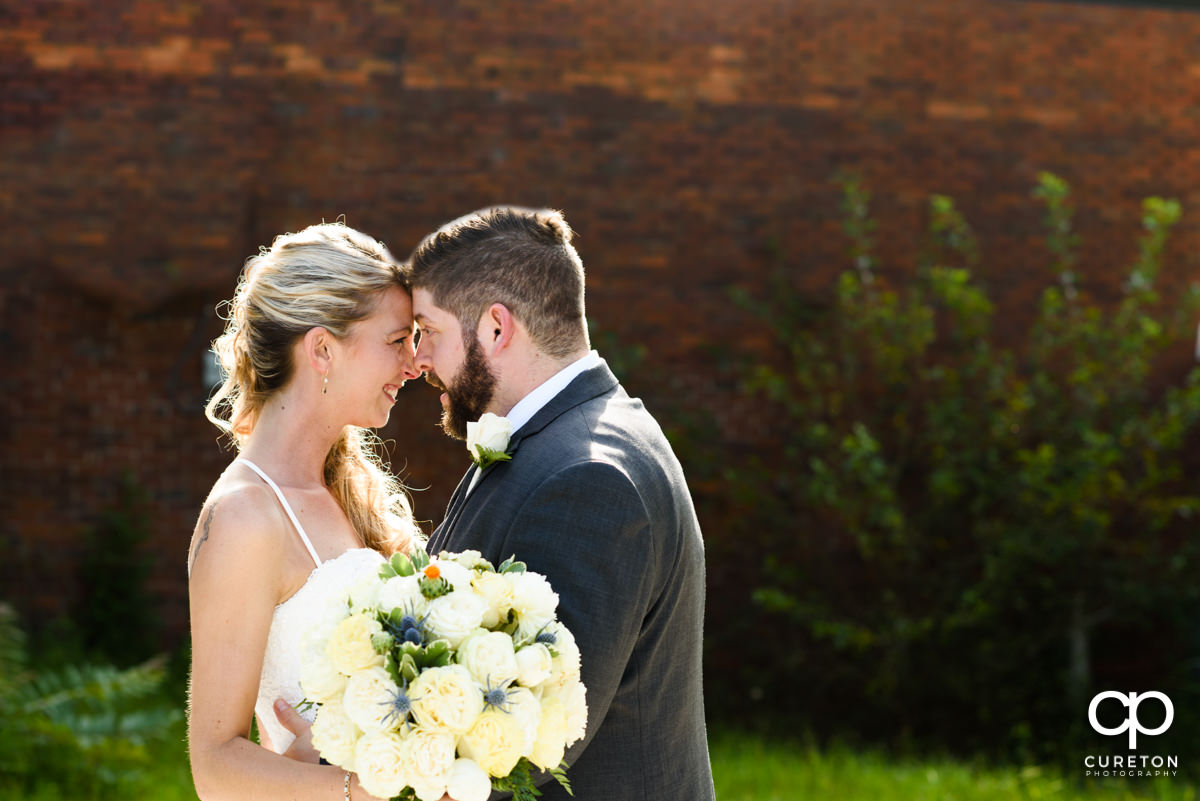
{"x":12,"y":651}
{"x":83,"y":727}
{"x":520,"y":781}
{"x":560,"y":775}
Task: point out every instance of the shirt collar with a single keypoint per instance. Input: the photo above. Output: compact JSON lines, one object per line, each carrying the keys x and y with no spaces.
{"x":532,"y":403}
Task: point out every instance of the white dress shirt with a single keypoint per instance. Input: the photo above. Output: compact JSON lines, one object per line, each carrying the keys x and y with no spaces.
{"x":532,"y":403}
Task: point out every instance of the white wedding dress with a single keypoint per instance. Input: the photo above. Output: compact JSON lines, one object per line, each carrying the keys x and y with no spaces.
{"x":329,"y":582}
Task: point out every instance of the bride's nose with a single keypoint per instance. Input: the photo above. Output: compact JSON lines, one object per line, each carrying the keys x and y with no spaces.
{"x":408,"y":365}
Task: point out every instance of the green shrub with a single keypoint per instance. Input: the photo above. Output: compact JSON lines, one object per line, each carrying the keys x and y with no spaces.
{"x":83,"y":729}
{"x":954,"y":529}
{"x":116,"y":619}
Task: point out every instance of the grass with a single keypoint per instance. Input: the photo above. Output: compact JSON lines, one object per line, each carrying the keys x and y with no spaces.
{"x":748,"y":767}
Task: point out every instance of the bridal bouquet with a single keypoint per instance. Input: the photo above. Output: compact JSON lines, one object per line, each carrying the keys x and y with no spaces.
{"x":445,"y":674}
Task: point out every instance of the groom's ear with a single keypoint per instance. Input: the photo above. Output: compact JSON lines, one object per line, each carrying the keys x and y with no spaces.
{"x":497,"y":328}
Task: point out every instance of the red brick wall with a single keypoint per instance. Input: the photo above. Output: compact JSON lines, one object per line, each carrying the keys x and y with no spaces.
{"x":147,"y":148}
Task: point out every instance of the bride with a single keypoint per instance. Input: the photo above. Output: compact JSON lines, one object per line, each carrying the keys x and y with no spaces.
{"x":319,"y":341}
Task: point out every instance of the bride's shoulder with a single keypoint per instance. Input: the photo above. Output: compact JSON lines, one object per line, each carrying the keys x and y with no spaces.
{"x":240,"y":522}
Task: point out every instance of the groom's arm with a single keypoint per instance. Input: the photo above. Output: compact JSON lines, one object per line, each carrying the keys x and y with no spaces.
{"x":587,"y":530}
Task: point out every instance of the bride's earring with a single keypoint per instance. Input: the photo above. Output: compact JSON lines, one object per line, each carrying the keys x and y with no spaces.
{"x":325,"y":387}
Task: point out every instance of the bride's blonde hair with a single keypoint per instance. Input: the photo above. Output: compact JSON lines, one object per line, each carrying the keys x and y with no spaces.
{"x":328,"y":276}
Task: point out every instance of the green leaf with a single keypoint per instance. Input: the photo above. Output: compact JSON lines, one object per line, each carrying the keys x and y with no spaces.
{"x":560,"y":775}
{"x":402,"y":564}
{"x":420,"y":560}
{"x":486,"y":457}
{"x":511,"y":565}
{"x":436,"y":651}
{"x":519,"y":782}
{"x":407,"y":668}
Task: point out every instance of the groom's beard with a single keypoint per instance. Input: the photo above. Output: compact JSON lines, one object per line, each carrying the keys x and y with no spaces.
{"x":470,"y":393}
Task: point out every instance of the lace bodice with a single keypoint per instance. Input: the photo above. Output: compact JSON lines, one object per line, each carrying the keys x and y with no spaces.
{"x":327,"y":585}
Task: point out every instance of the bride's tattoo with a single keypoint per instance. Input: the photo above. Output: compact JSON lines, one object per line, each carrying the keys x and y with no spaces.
{"x":204,"y":536}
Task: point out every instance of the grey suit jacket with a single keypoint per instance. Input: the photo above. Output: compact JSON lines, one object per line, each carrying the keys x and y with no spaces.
{"x":595,"y":500}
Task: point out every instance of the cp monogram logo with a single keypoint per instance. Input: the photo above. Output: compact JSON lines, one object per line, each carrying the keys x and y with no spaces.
{"x":1131,"y":723}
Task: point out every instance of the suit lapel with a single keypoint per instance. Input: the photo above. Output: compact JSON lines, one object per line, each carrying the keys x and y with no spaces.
{"x":453,"y":510}
{"x":586,"y":386}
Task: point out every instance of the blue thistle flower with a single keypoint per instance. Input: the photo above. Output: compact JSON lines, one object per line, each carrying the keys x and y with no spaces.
{"x":410,"y":629}
{"x":546,"y":638}
{"x":400,"y":706}
{"x":496,"y":697}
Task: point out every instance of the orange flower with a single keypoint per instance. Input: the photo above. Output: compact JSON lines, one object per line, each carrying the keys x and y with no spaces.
{"x":432,"y":573}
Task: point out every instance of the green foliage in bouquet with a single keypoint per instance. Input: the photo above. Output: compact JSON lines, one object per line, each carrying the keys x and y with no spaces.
{"x":521,"y":781}
{"x":82,"y":728}
{"x":966,"y":528}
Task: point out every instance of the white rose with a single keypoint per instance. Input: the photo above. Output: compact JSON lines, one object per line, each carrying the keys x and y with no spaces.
{"x":350,"y":647}
{"x":368,"y":700}
{"x":527,"y":710}
{"x":467,"y":559}
{"x":575,"y":698}
{"x":458,"y":576}
{"x":468,"y":781}
{"x":430,"y":756}
{"x":446,"y":699}
{"x":494,"y":742}
{"x":364,"y":594}
{"x":551,"y":743}
{"x":534,"y":664}
{"x":534,"y":601}
{"x":319,"y":679}
{"x":455,"y":616}
{"x":490,"y":432}
{"x":497,"y":591}
{"x":572,"y":693}
{"x":334,"y":610}
{"x":489,"y":657}
{"x":567,"y":661}
{"x":380,"y":760}
{"x":401,"y":592}
{"x":334,"y":735}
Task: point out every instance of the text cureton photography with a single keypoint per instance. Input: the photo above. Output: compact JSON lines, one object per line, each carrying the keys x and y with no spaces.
{"x":1129,"y":765}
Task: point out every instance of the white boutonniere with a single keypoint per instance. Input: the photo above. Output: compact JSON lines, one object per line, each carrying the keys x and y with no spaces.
{"x":487,"y":440}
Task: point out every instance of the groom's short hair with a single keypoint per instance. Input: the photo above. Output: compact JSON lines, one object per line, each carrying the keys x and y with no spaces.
{"x":522,"y":258}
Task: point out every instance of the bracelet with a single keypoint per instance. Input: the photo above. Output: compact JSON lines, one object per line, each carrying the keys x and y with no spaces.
{"x":346,"y":786}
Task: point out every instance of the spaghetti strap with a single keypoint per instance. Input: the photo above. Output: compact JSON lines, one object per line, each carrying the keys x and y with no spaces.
{"x":286,"y":507}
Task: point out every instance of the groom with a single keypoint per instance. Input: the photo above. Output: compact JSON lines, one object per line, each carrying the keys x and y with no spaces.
{"x":593,"y":497}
